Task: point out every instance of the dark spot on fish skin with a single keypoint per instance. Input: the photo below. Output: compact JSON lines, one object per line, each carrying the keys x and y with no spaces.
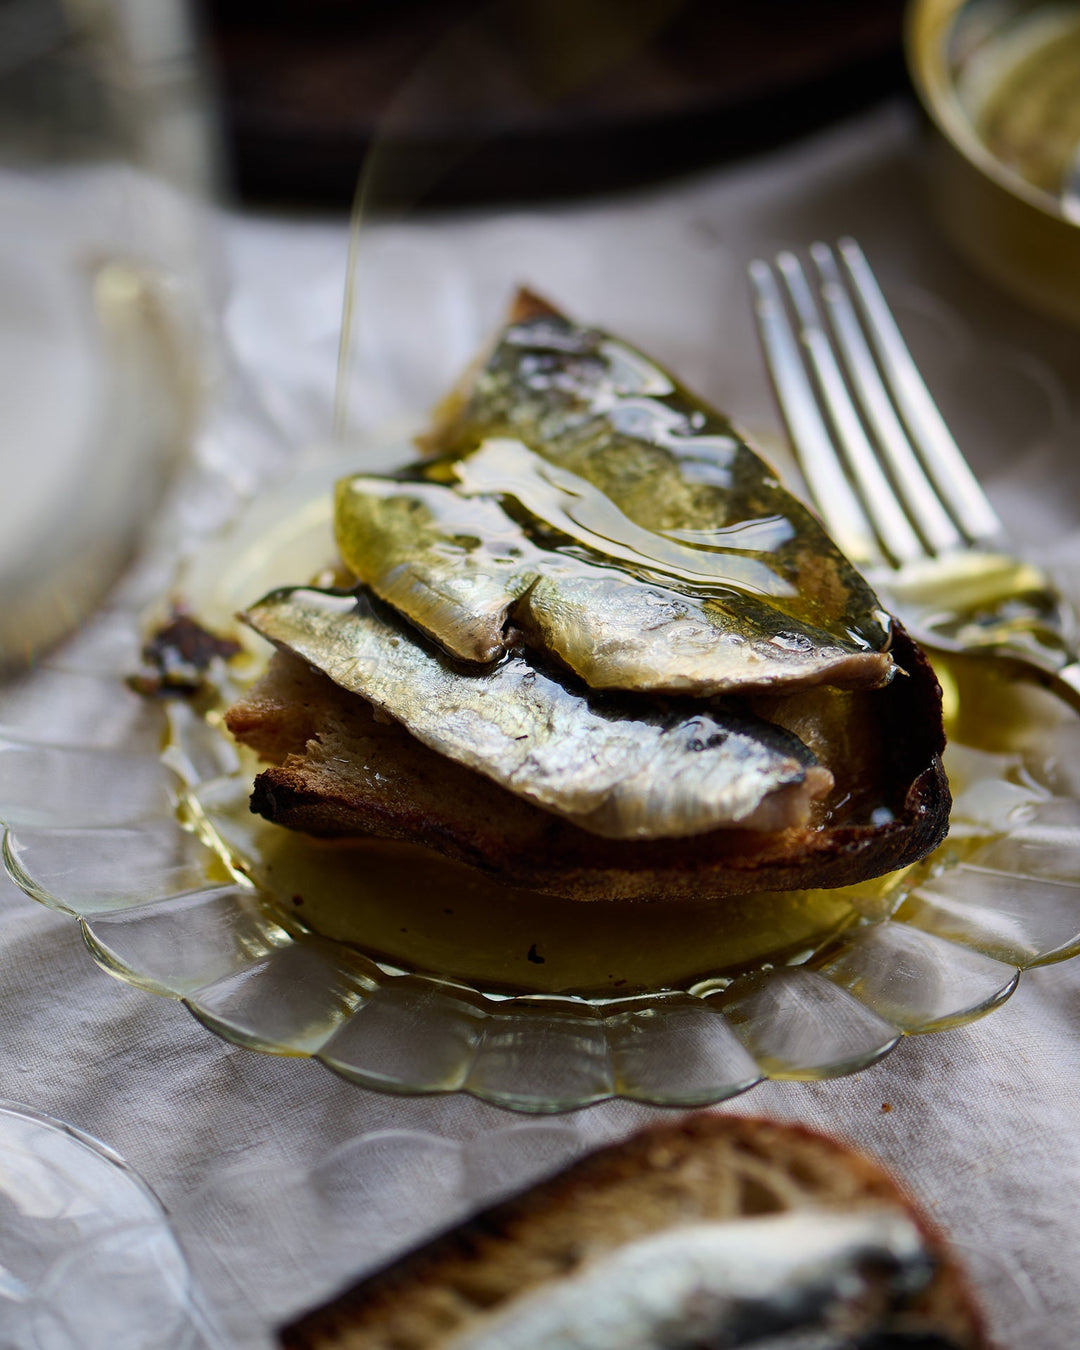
{"x":697,"y":745}
{"x":298,"y":899}
{"x":535,"y":957}
{"x":793,"y":642}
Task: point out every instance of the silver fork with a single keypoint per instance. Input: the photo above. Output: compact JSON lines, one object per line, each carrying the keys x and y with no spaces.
{"x":889,"y":480}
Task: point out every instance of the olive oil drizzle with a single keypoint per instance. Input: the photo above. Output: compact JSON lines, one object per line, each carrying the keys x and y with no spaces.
{"x":591,"y":404}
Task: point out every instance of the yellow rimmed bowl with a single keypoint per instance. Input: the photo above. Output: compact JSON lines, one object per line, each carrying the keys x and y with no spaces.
{"x":1000,"y":82}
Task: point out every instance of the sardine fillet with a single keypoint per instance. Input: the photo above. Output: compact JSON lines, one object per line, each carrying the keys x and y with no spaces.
{"x":622,"y":768}
{"x":339,"y":773}
{"x":459,"y":567}
{"x":568,"y":456}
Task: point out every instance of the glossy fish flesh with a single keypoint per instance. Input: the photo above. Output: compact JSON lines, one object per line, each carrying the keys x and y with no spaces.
{"x":622,"y":767}
{"x":569,"y":447}
{"x":623,"y":607}
{"x":805,"y":1280}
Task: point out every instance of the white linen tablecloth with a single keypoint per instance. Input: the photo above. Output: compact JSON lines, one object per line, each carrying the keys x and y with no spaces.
{"x":980,"y":1123}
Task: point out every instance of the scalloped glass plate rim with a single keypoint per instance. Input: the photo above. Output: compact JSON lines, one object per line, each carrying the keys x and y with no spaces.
{"x":557,"y":1052}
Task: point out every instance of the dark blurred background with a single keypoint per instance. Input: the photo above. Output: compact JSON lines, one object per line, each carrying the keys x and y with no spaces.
{"x":454,"y":101}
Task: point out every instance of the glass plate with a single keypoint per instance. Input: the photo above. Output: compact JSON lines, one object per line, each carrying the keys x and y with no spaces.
{"x":88,"y":1260}
{"x":179,"y":890}
{"x":269,"y":1240}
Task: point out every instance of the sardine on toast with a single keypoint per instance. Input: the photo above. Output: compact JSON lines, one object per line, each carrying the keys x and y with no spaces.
{"x":593,"y":599}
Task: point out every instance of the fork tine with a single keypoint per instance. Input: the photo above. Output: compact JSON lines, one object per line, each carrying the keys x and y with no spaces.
{"x":825,"y":477}
{"x":911,"y":484}
{"x":941,"y":456}
{"x":879,"y":501}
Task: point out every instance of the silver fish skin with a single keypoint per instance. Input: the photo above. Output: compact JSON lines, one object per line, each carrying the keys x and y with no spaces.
{"x":796,"y":1281}
{"x":672,"y":466}
{"x":624,"y":607}
{"x":621,"y":768}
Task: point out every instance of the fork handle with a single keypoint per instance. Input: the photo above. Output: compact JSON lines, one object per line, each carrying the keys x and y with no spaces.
{"x":1065,"y":683}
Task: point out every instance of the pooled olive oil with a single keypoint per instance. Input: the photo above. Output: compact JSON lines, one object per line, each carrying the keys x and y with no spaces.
{"x":415,"y":911}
